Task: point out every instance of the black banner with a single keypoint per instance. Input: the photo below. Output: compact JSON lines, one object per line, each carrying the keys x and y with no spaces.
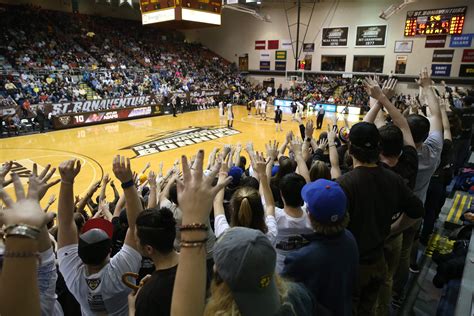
{"x":371,"y":35}
{"x":308,"y":47}
{"x":335,"y":36}
{"x":466,"y":70}
{"x":96,"y":117}
{"x":443,"y":55}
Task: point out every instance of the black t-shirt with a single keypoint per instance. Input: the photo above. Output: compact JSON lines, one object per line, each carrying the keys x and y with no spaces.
{"x":155,"y":296}
{"x":407,"y":166}
{"x":467,"y":119}
{"x":445,"y":171}
{"x":374,"y":195}
{"x":278,"y":114}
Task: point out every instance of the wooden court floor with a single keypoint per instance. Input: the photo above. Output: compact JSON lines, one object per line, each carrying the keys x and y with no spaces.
{"x":155,"y":140}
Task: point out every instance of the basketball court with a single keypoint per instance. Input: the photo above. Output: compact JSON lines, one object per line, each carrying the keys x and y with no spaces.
{"x":153,"y":139}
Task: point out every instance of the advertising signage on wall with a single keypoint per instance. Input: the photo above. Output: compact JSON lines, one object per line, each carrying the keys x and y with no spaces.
{"x":468,"y":56}
{"x":334,"y":36}
{"x":440,"y":70}
{"x":443,"y":55}
{"x":464,"y":40}
{"x":371,"y":36}
{"x":308,"y":47}
{"x":466,"y":70}
{"x":264,"y":65}
{"x":435,"y":41}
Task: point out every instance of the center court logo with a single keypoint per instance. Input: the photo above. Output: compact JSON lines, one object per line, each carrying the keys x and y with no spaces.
{"x":180,"y":138}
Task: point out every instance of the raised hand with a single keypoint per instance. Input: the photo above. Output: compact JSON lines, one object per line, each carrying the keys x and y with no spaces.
{"x":372,"y":87}
{"x":309,"y":129}
{"x":68,"y":170}
{"x":332,"y":132}
{"x":272,"y":149}
{"x":226,"y":151}
{"x":122,"y":170}
{"x":26,"y":210}
{"x":388,"y":87}
{"x":296,"y":146}
{"x":424,"y":80}
{"x":52,"y":199}
{"x":260,"y":166}
{"x":323,"y":143}
{"x":43,"y":179}
{"x":195,"y":192}
{"x":106,"y":179}
{"x":152,"y":178}
{"x":4,"y":170}
{"x":289,"y":136}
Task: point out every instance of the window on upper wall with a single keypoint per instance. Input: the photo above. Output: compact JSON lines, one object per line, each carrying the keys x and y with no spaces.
{"x":368,"y":64}
{"x":333,"y":63}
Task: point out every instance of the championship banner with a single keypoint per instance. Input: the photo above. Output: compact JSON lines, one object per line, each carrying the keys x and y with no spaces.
{"x":280,"y":65}
{"x":334,"y":36}
{"x":280,"y":55}
{"x":443,"y":55}
{"x":466,"y":70}
{"x":468,"y":56}
{"x":308,"y":47}
{"x":372,"y":36}
{"x":260,"y":45}
{"x":441,"y":70}
{"x":264,"y":65}
{"x":464,"y":40}
{"x":437,"y":41}
{"x":104,"y":104}
{"x":273,"y":44}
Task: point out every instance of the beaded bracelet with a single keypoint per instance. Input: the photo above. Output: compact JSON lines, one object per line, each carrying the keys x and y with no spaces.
{"x":22,"y":254}
{"x":192,"y":243}
{"x":194,"y":226}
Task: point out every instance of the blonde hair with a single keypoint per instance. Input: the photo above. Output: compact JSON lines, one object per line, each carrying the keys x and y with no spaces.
{"x":247,"y":209}
{"x":319,"y":170}
{"x":222,"y":303}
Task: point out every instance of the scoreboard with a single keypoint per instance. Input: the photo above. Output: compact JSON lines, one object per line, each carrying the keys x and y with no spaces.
{"x":435,"y":22}
{"x":200,"y":11}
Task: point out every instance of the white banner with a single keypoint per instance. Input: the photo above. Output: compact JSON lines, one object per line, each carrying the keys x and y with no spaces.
{"x":286,"y":44}
{"x":264,"y":56}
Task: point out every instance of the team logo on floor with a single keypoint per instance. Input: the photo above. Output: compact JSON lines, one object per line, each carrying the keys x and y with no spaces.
{"x":180,"y":138}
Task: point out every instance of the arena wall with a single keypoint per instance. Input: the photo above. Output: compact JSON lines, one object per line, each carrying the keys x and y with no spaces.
{"x":239,"y":31}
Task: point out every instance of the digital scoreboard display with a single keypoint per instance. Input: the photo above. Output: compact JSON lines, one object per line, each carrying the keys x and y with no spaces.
{"x":435,"y":21}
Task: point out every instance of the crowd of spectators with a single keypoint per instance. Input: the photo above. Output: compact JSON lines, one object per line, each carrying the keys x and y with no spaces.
{"x":317,"y":226}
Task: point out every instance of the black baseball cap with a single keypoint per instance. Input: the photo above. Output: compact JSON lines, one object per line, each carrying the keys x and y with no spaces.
{"x":365,"y":135}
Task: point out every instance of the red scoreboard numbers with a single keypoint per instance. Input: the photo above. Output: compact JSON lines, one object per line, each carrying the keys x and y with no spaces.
{"x":434,"y":22}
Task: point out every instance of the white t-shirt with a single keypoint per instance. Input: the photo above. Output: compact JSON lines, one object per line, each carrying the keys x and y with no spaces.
{"x":289,"y":234}
{"x":221,"y":225}
{"x":230,"y":115}
{"x":264,"y":106}
{"x":102,"y":293}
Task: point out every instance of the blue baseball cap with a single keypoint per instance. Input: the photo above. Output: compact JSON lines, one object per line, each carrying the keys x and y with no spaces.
{"x":236,"y":174}
{"x":275,"y":170}
{"x":326,"y":201}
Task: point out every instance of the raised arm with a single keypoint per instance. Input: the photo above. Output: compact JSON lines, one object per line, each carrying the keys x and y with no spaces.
{"x":238,"y":150}
{"x":133,"y":205}
{"x":24,"y":220}
{"x":83,"y":202}
{"x":219,"y":199}
{"x":444,"y":116}
{"x":67,"y":230}
{"x":333,"y":155}
{"x":383,"y":95}
{"x":103,"y":187}
{"x":260,"y":169}
{"x":195,"y":195}
{"x":426,"y":83}
{"x":152,"y":200}
{"x":296,"y":147}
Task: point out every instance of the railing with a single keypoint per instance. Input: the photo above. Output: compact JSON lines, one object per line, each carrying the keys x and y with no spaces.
{"x":465,"y":303}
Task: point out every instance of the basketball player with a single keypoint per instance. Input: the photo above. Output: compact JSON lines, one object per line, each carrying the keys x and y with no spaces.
{"x":221,"y":113}
{"x":257,"y":106}
{"x":278,"y":116}
{"x":263,"y":110}
{"x":299,"y":110}
{"x":230,"y":115}
{"x":294,"y":108}
{"x":249,"y":106}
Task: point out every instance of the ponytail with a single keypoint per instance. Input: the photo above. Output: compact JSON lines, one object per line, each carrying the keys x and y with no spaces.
{"x":244,"y":215}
